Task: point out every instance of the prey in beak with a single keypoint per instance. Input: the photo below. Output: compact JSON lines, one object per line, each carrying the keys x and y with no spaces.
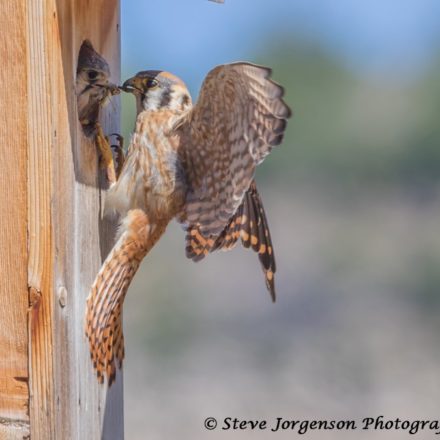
{"x":132,"y":85}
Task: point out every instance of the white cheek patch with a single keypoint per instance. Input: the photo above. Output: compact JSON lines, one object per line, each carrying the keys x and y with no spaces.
{"x":154,"y":98}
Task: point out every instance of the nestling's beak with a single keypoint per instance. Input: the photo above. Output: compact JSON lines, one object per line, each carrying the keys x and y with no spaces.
{"x":132,"y":85}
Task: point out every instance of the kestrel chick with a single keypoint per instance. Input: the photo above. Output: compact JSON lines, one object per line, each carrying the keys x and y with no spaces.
{"x":93,"y":87}
{"x":195,"y":164}
{"x":93,"y":90}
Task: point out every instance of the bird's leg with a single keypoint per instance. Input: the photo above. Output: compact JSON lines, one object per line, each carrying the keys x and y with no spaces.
{"x":118,"y":154}
{"x":103,"y":145}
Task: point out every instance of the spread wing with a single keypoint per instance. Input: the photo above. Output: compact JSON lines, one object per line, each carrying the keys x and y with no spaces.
{"x":248,"y":223}
{"x":240,"y":115}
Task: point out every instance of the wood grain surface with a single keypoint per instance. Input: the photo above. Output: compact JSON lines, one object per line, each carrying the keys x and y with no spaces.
{"x":14,"y":394}
{"x":53,"y":236}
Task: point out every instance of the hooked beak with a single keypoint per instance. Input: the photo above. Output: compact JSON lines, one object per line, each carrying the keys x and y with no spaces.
{"x":131,"y":86}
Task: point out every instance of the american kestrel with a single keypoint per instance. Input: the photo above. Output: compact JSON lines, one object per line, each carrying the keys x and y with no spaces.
{"x":195,"y":164}
{"x":93,"y":91}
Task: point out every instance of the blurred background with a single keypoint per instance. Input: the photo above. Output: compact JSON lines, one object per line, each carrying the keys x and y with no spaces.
{"x":353,"y":201}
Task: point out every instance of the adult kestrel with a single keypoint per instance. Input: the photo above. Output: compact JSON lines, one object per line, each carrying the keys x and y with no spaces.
{"x":195,"y":164}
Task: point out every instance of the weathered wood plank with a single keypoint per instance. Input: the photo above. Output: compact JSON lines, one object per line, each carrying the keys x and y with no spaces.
{"x":89,"y":410}
{"x":14,"y":393}
{"x":40,"y":248}
{"x":53,"y":237}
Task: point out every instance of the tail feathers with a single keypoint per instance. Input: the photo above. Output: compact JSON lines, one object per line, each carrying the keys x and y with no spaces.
{"x":248,"y":223}
{"x":105,"y":302}
{"x":228,"y":238}
{"x":255,"y":233}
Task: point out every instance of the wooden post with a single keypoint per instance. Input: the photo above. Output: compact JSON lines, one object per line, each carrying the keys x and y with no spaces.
{"x":53,"y":238}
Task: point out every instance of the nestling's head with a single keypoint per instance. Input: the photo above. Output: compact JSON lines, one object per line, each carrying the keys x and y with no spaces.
{"x":156,"y":90}
{"x":92,"y":67}
{"x":93,"y":87}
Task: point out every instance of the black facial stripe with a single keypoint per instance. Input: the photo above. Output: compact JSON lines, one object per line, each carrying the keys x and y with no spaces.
{"x":165,"y":100}
{"x":185,"y":100}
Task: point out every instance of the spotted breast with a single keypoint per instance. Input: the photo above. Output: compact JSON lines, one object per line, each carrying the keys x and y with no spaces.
{"x":152,"y":178}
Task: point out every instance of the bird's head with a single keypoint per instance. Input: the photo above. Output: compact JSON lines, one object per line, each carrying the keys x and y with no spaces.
{"x":93,"y":87}
{"x":93,"y":72}
{"x":156,"y":90}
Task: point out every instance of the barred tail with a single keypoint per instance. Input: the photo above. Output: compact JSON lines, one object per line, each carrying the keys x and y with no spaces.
{"x":104,"y":303}
{"x":248,"y":223}
{"x":255,"y":232}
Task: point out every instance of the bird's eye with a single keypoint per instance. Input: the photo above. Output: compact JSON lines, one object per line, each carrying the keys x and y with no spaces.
{"x":92,"y":74}
{"x":151,"y":83}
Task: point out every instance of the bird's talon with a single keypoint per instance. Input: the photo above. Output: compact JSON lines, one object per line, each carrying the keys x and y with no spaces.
{"x":118,"y":153}
{"x":103,"y":145}
{"x":118,"y":137}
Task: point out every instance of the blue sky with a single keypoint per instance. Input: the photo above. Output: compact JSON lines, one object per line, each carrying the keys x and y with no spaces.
{"x":188,"y":37}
